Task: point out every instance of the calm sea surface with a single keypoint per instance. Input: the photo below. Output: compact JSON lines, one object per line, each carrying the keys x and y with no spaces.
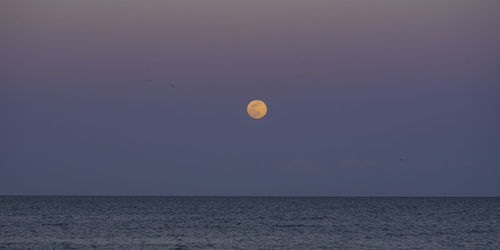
{"x":249,"y":223}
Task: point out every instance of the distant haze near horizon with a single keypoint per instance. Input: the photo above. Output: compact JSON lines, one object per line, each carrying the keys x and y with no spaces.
{"x":396,"y":98}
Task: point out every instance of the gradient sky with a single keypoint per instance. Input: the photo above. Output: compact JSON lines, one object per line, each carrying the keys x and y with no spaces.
{"x":365,"y":97}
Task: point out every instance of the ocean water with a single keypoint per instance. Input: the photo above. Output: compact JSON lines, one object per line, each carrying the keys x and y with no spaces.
{"x":249,"y":223}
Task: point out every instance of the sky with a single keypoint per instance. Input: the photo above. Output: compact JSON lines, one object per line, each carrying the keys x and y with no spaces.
{"x":365,"y":98}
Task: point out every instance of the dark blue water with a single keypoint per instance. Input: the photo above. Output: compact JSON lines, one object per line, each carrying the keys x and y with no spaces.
{"x":249,"y":222}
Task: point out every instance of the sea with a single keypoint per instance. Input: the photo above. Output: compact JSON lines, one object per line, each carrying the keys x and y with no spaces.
{"x":86,"y":222}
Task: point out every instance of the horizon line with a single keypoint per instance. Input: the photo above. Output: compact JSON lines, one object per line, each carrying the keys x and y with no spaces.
{"x":255,"y":196}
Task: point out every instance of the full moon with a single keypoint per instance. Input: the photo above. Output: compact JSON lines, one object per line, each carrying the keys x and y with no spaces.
{"x":257,"y":109}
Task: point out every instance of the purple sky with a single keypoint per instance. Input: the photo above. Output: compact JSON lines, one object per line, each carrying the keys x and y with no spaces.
{"x":365,"y":97}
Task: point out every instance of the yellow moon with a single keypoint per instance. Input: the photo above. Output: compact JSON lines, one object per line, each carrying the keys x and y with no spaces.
{"x":257,"y":109}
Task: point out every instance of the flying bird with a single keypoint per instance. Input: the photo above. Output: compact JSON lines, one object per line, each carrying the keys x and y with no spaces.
{"x":172,"y":85}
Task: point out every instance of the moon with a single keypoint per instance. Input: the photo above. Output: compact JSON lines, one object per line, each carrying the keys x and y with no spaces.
{"x":257,"y":109}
